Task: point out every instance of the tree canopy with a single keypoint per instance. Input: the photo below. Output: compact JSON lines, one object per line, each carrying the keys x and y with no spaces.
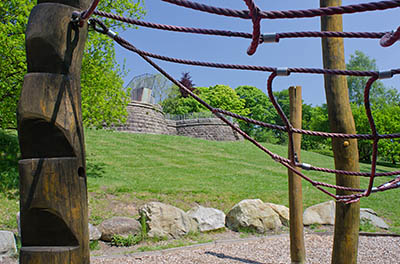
{"x":379,"y":94}
{"x":103,"y":98}
{"x":218,"y":96}
{"x":260,"y":108}
{"x":13,"y":19}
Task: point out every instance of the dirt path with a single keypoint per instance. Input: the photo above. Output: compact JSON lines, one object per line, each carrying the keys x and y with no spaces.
{"x":269,"y":249}
{"x":252,"y":250}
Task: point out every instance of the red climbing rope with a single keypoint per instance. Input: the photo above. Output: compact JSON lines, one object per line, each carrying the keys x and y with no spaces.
{"x":85,"y":15}
{"x":325,"y":11}
{"x":256,"y":15}
{"x":291,"y":163}
{"x":256,"y":18}
{"x":390,"y":38}
{"x":227,"y":33}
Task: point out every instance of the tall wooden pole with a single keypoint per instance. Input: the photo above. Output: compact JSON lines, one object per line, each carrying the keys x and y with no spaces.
{"x":53,"y":193}
{"x":297,"y":249}
{"x":345,"y":151}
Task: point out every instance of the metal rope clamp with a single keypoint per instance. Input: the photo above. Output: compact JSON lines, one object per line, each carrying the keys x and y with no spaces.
{"x":75,"y":17}
{"x":282,"y":72}
{"x":305,"y":166}
{"x":385,"y":74}
{"x":111,"y":34}
{"x":269,"y":38}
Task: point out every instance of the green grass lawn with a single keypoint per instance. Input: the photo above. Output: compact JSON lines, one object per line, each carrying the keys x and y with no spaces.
{"x":133,"y":168}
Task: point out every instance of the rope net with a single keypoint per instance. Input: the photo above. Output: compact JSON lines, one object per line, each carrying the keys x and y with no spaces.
{"x":256,"y":15}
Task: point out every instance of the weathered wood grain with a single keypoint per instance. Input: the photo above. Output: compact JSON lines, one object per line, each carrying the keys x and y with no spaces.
{"x":53,"y":43}
{"x":53,"y":209}
{"x":346,"y":155}
{"x":49,"y":117}
{"x":53,"y":191}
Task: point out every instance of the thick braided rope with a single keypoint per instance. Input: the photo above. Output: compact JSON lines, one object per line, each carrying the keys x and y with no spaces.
{"x":373,"y":130}
{"x":256,"y":19}
{"x":325,"y":11}
{"x":330,"y":34}
{"x":307,"y":132}
{"x":390,"y":38}
{"x":85,"y":15}
{"x":261,"y":68}
{"x":286,"y":162}
{"x":228,"y":33}
{"x":256,"y":15}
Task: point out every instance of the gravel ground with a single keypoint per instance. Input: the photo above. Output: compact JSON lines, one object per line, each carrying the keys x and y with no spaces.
{"x":272,"y":249}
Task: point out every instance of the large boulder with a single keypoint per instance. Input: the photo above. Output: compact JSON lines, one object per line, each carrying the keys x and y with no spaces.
{"x":123,"y":226}
{"x":369,"y":215}
{"x":208,"y":219}
{"x":252,"y":215}
{"x":8,"y":246}
{"x":282,"y":211}
{"x":165,"y":220}
{"x":94,"y":233}
{"x":322,"y":214}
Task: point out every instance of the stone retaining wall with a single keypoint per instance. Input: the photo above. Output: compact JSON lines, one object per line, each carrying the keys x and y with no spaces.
{"x":206,"y":128}
{"x":149,"y":118}
{"x":145,"y":118}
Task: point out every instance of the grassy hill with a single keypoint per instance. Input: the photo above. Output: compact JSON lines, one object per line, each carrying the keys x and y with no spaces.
{"x":127,"y":170}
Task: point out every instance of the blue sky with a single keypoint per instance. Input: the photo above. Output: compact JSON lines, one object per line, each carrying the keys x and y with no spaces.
{"x":287,"y":53}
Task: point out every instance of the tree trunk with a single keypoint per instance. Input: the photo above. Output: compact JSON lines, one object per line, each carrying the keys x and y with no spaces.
{"x":341,"y":120}
{"x":297,"y":249}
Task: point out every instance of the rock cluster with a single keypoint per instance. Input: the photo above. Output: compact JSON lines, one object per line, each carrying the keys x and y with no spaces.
{"x":163,"y":220}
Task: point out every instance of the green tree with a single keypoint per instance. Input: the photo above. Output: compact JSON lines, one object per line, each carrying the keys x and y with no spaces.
{"x":176,"y":104}
{"x":219,"y":96}
{"x":224,"y":97}
{"x":316,"y":119}
{"x":261,"y":109}
{"x":387,"y":121}
{"x":103,"y":97}
{"x":384,"y":104}
{"x":362,"y":127}
{"x":379,"y":94}
{"x":13,"y":19}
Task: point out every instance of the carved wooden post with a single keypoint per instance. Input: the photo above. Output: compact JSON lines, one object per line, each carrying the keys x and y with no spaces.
{"x":53,"y":194}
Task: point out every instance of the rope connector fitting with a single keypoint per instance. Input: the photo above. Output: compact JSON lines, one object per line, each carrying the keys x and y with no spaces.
{"x":282,"y":72}
{"x":385,"y":74}
{"x":269,"y":38}
{"x":111,"y":34}
{"x":305,"y":166}
{"x":75,"y":17}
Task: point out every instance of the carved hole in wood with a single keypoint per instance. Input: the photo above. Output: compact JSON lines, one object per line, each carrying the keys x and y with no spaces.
{"x":43,"y":227}
{"x":41,"y":139}
{"x":81,"y":172}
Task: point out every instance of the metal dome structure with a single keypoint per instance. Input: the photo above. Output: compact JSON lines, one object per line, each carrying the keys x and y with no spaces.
{"x":151,"y":88}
